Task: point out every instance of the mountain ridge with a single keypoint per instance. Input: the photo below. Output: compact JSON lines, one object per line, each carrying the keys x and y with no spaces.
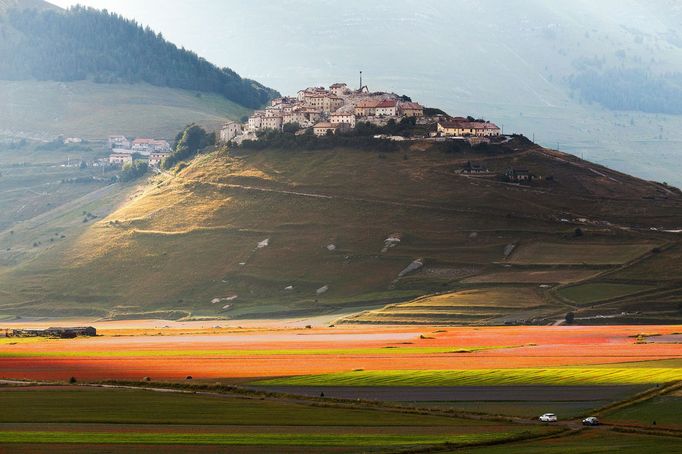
{"x":87,"y":44}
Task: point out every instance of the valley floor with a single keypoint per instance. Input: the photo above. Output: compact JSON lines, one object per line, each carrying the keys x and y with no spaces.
{"x":197,"y":387}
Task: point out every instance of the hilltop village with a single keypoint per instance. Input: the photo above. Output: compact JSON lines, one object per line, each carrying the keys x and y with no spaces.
{"x":339,"y":108}
{"x":322,"y":112}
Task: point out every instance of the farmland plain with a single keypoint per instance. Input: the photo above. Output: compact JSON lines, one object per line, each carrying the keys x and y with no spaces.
{"x":348,"y":388}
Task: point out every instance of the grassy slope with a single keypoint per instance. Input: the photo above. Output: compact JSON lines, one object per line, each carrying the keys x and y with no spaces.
{"x":192,"y":237}
{"x":44,"y":110}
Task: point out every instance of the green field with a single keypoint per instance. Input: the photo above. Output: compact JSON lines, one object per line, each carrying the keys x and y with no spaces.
{"x":491,"y":377}
{"x":142,"y":407}
{"x":526,"y":409}
{"x":664,"y":410}
{"x":96,"y":416}
{"x":44,"y":110}
{"x":598,"y":291}
{"x":249,"y":439}
{"x":589,"y":442}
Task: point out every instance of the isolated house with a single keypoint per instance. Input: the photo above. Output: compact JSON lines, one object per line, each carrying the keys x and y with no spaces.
{"x":461,"y":127}
{"x":517,"y":175}
{"x":473,"y":169}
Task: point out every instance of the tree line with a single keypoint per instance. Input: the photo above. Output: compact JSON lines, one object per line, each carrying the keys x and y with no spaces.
{"x":631,"y":89}
{"x":89,"y":44}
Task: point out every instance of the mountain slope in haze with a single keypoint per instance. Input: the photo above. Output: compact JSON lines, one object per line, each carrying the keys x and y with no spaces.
{"x":82,"y":43}
{"x":44,"y":109}
{"x":510,"y":61}
{"x":273,"y":233}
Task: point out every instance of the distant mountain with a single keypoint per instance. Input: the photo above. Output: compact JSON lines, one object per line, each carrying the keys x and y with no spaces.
{"x":40,"y":42}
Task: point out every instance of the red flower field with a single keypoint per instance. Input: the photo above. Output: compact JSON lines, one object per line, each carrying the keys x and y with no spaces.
{"x":205,"y":353}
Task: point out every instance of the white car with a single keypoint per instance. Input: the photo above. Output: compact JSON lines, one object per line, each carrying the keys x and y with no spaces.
{"x":548,"y":417}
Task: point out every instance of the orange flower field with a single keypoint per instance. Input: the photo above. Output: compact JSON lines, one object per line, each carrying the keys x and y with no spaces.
{"x":250,"y":353}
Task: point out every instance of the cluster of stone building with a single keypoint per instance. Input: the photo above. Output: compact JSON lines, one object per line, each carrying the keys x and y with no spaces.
{"x":325,"y":110}
{"x":122,"y":150}
{"x":329,"y":110}
{"x":60,"y":333}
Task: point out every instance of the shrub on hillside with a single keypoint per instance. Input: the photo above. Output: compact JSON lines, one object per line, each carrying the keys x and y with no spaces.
{"x":188,"y":142}
{"x":134,"y":171}
{"x":308,"y":141}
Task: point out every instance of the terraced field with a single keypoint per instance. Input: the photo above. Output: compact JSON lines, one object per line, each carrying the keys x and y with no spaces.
{"x":541,"y":276}
{"x":463,"y":307}
{"x":541,"y":253}
{"x":598,"y":291}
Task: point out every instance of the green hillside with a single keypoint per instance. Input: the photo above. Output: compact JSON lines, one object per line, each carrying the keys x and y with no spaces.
{"x":89,"y":73}
{"x":43,"y":110}
{"x":193,"y":243}
{"x":88,"y":44}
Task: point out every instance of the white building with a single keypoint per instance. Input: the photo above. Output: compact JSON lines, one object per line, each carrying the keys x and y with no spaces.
{"x":156,"y":157}
{"x":256,"y":121}
{"x":146,"y":146}
{"x":229,"y":131}
{"x":387,"y":108}
{"x":343,"y":118}
{"x":274,"y":122}
{"x":119,"y":142}
{"x":120,"y":157}
{"x":339,"y":89}
{"x":324,"y":128}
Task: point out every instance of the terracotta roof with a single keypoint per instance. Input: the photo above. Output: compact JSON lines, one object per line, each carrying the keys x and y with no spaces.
{"x":386,"y":103}
{"x":367,"y":103}
{"x":325,"y":125}
{"x":143,"y":141}
{"x":455,"y":123}
{"x":411,"y":106}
